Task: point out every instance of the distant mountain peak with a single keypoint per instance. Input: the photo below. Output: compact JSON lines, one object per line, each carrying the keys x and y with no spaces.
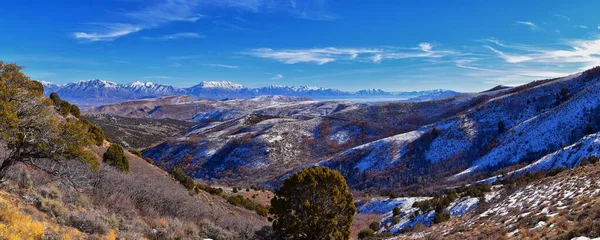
{"x":374,"y":91}
{"x":142,"y":84}
{"x":220,"y":84}
{"x":96,"y":83}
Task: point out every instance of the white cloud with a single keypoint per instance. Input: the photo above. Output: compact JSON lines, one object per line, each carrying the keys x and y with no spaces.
{"x":167,"y":11}
{"x":180,"y":58}
{"x":585,"y":53}
{"x":150,"y":17}
{"x":377,"y":58}
{"x":531,"y":25}
{"x":111,"y":32}
{"x":315,"y":55}
{"x":582,"y":26}
{"x":563,"y":17}
{"x":175,"y":36}
{"x":276,"y":76}
{"x":331,"y":54}
{"x":425,"y":47}
{"x":222,"y":65}
{"x":510,"y":58}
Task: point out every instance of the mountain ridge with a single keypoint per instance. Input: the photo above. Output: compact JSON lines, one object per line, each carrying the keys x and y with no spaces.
{"x":109,"y":92}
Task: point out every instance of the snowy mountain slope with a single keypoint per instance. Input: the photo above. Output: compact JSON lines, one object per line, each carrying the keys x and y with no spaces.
{"x":563,"y":206}
{"x":545,"y":132}
{"x":383,"y":147}
{"x":509,"y":126}
{"x":567,"y":157}
{"x":295,"y":135}
{"x":434,"y":95}
{"x":190,"y":109}
{"x":50,"y":87}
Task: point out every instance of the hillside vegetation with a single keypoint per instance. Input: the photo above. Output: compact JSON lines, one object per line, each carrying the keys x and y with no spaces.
{"x":59,"y":182}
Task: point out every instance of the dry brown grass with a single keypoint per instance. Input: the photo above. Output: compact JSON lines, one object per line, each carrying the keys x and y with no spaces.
{"x":361,"y":222}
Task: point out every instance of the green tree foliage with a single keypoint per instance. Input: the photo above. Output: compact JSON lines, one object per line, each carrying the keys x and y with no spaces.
{"x":135,"y":152}
{"x":365,"y":234}
{"x":209,"y":189}
{"x":375,"y":226}
{"x":397,"y":211}
{"x":55,"y":99}
{"x":501,"y":127}
{"x":240,"y":201}
{"x":441,"y":217}
{"x":96,"y":134}
{"x":115,"y":156}
{"x":438,"y":203}
{"x":30,"y":127}
{"x":314,"y":203}
{"x":562,"y":96}
{"x":75,"y":111}
{"x":183,"y":178}
{"x":64,"y":108}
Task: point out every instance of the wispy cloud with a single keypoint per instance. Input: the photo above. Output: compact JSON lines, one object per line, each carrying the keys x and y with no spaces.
{"x":276,"y":76}
{"x":315,"y":55}
{"x":167,"y":11}
{"x":582,"y":26}
{"x":227,"y":26}
{"x":304,"y":9}
{"x":110,"y":32}
{"x":175,"y":36}
{"x":586,"y":53}
{"x":531,"y":25}
{"x":509,"y":58}
{"x":424,"y":50}
{"x":179,"y":58}
{"x":331,"y":54}
{"x":222,"y":65}
{"x":150,"y":17}
{"x":563,"y":17}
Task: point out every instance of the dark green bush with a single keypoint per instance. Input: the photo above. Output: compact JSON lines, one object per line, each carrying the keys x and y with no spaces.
{"x":397,"y":211}
{"x":209,"y":189}
{"x":501,"y":127}
{"x":115,"y":156}
{"x":395,"y":220}
{"x":55,"y":99}
{"x":441,"y":217}
{"x":75,"y":111}
{"x":64,"y":108}
{"x":240,"y":201}
{"x":135,"y":152}
{"x":375,"y":226}
{"x":367,"y":233}
{"x":97,"y":134}
{"x":183,"y":178}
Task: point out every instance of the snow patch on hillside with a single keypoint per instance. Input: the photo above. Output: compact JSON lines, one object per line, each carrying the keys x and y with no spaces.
{"x":382,"y":205}
{"x":385,"y":151}
{"x":462,"y":206}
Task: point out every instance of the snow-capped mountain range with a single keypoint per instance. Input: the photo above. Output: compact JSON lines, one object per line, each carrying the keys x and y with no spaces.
{"x":105,"y":91}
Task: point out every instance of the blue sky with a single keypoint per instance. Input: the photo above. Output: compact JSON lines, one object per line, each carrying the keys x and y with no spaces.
{"x":349,"y":45}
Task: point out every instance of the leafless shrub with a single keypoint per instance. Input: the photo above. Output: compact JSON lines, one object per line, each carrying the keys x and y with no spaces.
{"x":89,"y":222}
